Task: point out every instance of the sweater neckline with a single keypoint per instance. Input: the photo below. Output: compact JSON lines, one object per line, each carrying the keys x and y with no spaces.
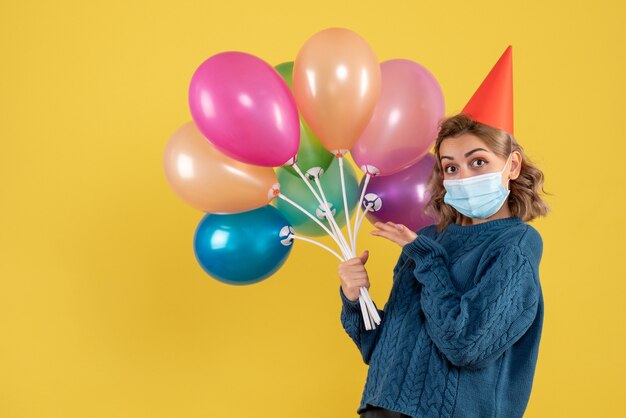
{"x":484,"y":226}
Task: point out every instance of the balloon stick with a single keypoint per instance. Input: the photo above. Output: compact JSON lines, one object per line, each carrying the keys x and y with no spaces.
{"x":356,"y":231}
{"x":300,"y":208}
{"x":319,"y":244}
{"x":331,"y":218}
{"x":345,"y":205}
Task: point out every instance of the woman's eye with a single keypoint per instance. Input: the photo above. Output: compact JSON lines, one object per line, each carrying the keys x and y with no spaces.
{"x":450,"y":169}
{"x":479,"y":162}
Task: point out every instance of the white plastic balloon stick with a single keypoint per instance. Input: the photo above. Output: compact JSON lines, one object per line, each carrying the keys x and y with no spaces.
{"x":345,"y":205}
{"x":330,"y":217}
{"x":319,"y":244}
{"x":358,"y":210}
{"x":301,"y":209}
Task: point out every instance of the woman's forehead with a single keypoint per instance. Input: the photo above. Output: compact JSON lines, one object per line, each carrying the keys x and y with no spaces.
{"x":457,"y":146}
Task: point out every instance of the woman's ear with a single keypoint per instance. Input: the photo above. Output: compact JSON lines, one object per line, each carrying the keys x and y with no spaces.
{"x":516,"y":165}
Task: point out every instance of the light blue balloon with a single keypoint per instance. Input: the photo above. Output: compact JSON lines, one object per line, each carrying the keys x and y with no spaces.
{"x":243,"y":248}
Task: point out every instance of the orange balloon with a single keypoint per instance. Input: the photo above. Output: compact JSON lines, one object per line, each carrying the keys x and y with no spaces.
{"x":209,"y":180}
{"x":336,"y":83}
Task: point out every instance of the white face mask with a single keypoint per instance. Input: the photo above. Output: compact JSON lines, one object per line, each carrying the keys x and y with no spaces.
{"x":478,"y":196}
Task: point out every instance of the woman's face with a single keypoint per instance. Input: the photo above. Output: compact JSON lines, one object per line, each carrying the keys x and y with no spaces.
{"x":467,"y":156}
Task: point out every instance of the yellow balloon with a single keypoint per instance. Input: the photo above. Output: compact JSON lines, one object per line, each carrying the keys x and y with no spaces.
{"x":212,"y":182}
{"x":336,"y":84}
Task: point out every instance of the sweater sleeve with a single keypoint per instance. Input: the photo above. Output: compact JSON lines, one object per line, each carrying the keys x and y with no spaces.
{"x":352,"y":321}
{"x":474,"y":328}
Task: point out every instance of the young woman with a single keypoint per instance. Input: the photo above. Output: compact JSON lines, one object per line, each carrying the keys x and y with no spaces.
{"x":460,"y":332}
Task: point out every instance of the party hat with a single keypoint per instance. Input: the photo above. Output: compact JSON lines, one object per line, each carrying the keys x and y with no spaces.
{"x":492,"y":103}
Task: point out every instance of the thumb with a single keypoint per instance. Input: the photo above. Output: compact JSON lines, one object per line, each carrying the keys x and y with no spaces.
{"x":364,"y":256}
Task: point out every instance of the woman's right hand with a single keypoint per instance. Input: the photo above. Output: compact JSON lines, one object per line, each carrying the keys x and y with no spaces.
{"x":353,"y":276}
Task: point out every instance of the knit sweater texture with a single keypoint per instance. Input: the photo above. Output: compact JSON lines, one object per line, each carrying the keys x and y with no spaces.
{"x":459,"y":334}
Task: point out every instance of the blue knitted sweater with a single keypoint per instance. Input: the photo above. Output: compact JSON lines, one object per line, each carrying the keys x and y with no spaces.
{"x":460,"y":331}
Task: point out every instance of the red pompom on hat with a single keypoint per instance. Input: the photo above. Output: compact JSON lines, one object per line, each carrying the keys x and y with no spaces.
{"x":492,"y":103}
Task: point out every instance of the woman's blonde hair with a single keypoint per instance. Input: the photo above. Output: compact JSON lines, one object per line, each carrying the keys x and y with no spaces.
{"x":524,"y":200}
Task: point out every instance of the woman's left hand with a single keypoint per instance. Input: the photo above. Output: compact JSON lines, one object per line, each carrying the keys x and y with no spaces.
{"x":397,"y":233}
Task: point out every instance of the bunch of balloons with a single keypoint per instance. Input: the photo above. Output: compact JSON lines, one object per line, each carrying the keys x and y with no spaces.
{"x":264,"y":154}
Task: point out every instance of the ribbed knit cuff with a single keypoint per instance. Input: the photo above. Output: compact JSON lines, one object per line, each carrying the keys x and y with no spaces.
{"x":350,"y":305}
{"x":421,"y":247}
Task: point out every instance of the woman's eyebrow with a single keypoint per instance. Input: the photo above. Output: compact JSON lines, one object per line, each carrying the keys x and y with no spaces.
{"x":467,"y":154}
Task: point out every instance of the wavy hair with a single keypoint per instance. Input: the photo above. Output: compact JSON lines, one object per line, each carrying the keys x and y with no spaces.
{"x":524,"y":200}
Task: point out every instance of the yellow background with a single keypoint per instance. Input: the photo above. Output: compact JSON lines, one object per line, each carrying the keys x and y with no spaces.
{"x":104,"y":311}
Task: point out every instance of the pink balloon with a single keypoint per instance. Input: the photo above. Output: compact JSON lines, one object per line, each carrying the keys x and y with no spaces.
{"x":405,"y":121}
{"x":245,"y":108}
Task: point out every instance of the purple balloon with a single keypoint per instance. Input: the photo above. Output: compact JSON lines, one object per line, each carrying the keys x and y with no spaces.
{"x":244,"y":107}
{"x":401,"y":197}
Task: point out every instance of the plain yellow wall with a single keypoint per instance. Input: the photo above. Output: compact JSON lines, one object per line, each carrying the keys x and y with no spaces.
{"x":104,"y":311}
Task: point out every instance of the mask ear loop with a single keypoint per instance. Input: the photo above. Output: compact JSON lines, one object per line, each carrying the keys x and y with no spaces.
{"x":504,"y":168}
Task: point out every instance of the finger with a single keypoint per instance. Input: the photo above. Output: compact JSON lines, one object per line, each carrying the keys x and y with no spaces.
{"x":389,"y":231}
{"x":356,"y":261}
{"x":351,"y":261}
{"x":350,"y":279}
{"x":384,"y":230}
{"x":381,"y":233}
{"x":352,"y":269}
{"x":358,"y":277}
{"x":398,"y":227}
{"x":362,"y":283}
{"x":359,"y":283}
{"x":355,"y":273}
{"x":389,"y":236}
{"x":384,"y":226}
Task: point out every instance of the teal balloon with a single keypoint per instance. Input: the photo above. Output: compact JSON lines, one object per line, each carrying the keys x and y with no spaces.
{"x":242,"y":248}
{"x":311,"y":152}
{"x":295,"y":189}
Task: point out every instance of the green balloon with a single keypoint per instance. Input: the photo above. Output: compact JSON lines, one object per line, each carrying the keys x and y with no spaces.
{"x":311,"y":152}
{"x":286,"y":71}
{"x":295,"y":189}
